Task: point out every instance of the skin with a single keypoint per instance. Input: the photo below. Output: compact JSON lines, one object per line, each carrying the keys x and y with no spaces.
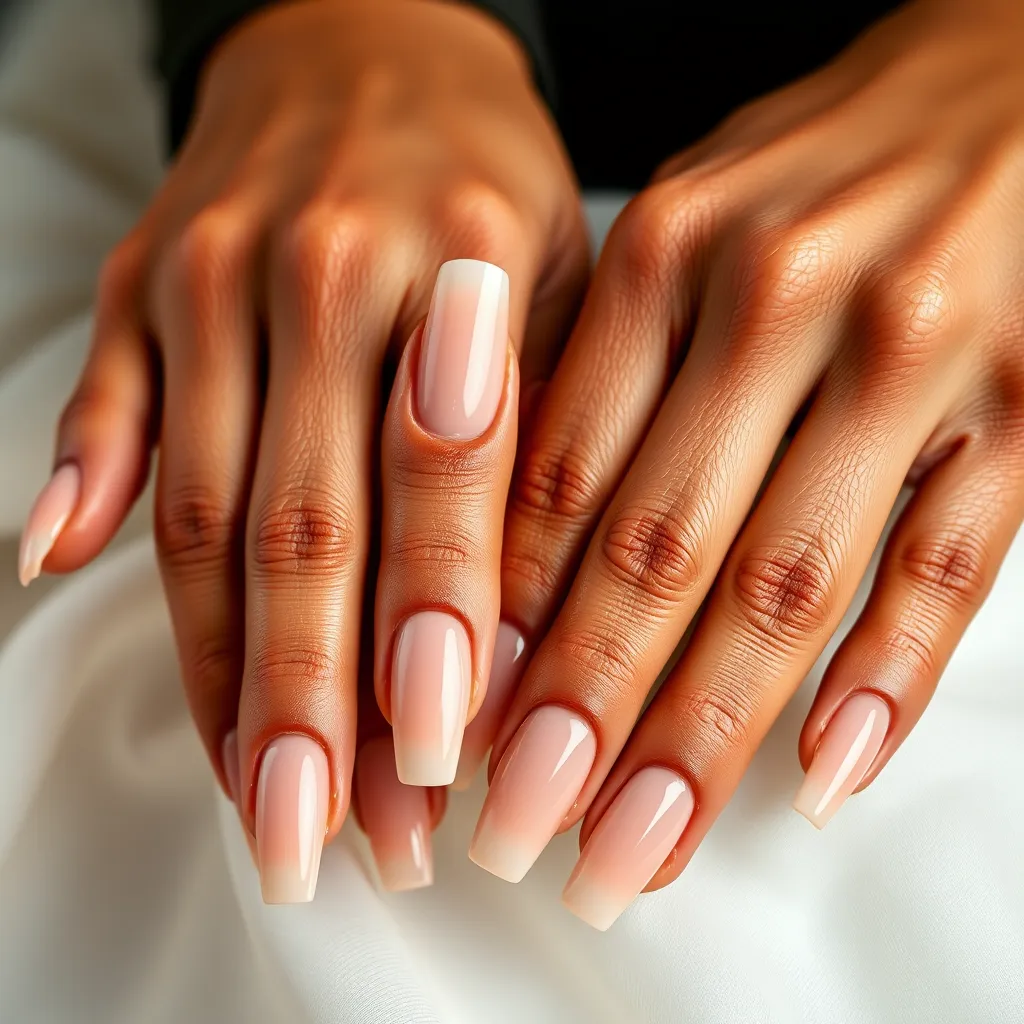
{"x":252,"y":323}
{"x":841,"y":261}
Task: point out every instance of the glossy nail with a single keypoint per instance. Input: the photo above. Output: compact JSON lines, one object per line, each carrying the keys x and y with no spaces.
{"x":49,"y":516}
{"x":229,"y":757}
{"x":291,"y":818}
{"x":537,"y":782}
{"x":396,"y":819}
{"x":846,"y":750}
{"x":464,"y":349}
{"x":628,"y":845}
{"x":430,"y":684}
{"x":506,"y":670}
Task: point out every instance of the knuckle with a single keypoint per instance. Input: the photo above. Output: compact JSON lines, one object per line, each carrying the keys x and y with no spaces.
{"x":657,"y":225}
{"x":292,"y":667}
{"x":953,"y":568}
{"x":307,"y":535}
{"x":910,"y":315}
{"x":118,"y":274}
{"x":193,"y":527}
{"x":911,"y":644}
{"x":326,"y":245}
{"x":209,"y":668}
{"x":449,"y":549}
{"x":604,"y":658}
{"x":723,"y":716}
{"x":786,"y":593}
{"x":657,"y":554}
{"x":557,"y":484}
{"x":782,"y":274}
{"x":203,"y":256}
{"x":483,"y":220}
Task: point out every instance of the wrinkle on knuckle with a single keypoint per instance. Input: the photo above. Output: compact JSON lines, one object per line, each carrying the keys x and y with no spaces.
{"x":532,"y":572}
{"x":449,"y":549}
{"x":557,"y":484}
{"x":657,"y":554}
{"x":607,"y":658}
{"x":305,"y":535}
{"x":909,"y":643}
{"x":194,"y":528}
{"x":786,"y":593}
{"x":292,"y":667}
{"x":953,"y":568}
{"x":209,"y":666}
{"x":723,"y":717}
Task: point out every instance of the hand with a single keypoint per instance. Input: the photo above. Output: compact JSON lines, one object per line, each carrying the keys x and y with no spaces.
{"x":847,"y":258}
{"x":339,"y":154}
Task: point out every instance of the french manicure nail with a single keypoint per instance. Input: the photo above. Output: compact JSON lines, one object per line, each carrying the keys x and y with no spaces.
{"x":291,"y":818}
{"x":464,"y":349}
{"x":396,"y":819}
{"x":49,"y":516}
{"x":430,"y":683}
{"x":848,"y":746}
{"x":537,"y":782}
{"x":506,"y":670}
{"x":628,"y":845}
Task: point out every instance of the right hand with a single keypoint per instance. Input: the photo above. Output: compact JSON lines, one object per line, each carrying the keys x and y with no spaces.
{"x":340,"y":152}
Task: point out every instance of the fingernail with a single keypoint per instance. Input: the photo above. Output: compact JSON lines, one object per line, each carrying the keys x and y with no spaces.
{"x":396,"y":819}
{"x":464,"y":347}
{"x":291,"y":818}
{"x":629,"y":844}
{"x":847,"y":748}
{"x":430,"y":683}
{"x":48,"y":517}
{"x":537,"y":782}
{"x":506,"y":670}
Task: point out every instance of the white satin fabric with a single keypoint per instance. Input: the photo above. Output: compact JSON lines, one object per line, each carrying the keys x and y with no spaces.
{"x":126,"y":892}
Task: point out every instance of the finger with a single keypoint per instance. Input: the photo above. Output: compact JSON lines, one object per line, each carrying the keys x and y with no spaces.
{"x":935,"y":572}
{"x":596,"y":409}
{"x":105,"y":434}
{"x":203,"y":312}
{"x":650,"y":564}
{"x":447,"y":454}
{"x":307,"y":537}
{"x":781,"y":593}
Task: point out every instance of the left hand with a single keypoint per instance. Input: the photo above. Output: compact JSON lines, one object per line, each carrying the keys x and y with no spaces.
{"x":847,"y":254}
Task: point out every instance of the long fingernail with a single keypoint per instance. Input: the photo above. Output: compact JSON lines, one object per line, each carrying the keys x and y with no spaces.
{"x":537,"y":782}
{"x":396,"y":819}
{"x":629,"y":844}
{"x":464,"y":347}
{"x":49,"y":516}
{"x":847,"y":748}
{"x":291,"y":818}
{"x":506,"y":670}
{"x":430,"y":684}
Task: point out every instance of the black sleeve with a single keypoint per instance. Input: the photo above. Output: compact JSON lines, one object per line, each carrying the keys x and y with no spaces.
{"x":187,"y":30}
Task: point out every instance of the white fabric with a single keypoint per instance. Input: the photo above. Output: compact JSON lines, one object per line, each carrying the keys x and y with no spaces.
{"x":127,"y":895}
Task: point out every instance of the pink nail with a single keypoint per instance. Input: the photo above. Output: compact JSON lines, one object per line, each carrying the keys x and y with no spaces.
{"x":291,"y":818}
{"x":537,"y":782}
{"x":49,"y":516}
{"x":430,"y":684}
{"x":396,"y":819}
{"x":629,"y":844}
{"x":846,"y":750}
{"x":464,"y":349}
{"x":506,"y":670}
